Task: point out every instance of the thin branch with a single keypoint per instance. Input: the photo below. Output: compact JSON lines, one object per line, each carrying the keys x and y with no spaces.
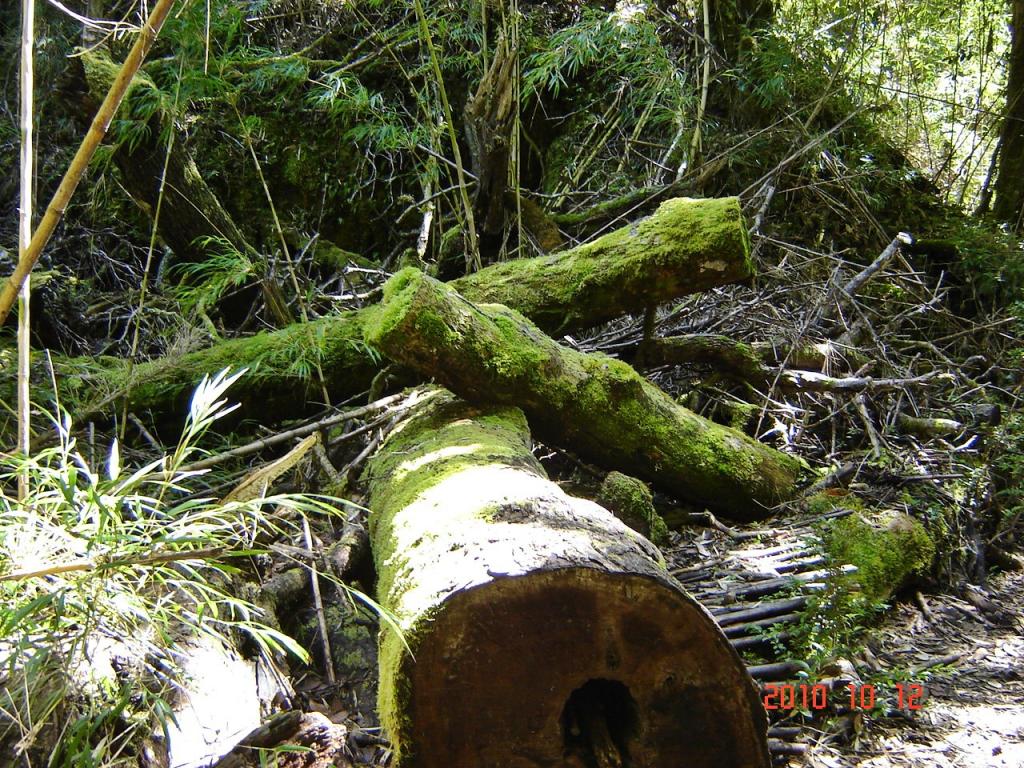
{"x":303,"y":431}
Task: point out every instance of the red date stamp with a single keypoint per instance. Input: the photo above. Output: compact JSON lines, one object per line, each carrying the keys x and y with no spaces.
{"x":808,"y":697}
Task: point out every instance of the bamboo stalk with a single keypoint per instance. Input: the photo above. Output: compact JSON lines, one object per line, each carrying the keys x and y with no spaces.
{"x":696,"y":143}
{"x":24,"y":238}
{"x":473,"y":258}
{"x":76,"y":170}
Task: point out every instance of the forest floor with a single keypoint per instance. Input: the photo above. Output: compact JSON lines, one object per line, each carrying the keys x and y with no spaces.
{"x":961,"y":654}
{"x":966,"y":653}
{"x":973,"y":713}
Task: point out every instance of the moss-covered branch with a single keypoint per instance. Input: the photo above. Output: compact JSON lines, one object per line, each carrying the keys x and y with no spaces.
{"x":684,"y":247}
{"x":597,"y":405}
{"x":688,"y":245}
{"x":494,"y":572}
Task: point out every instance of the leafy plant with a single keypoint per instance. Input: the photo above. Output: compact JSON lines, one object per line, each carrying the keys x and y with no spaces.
{"x":834,"y":622}
{"x":103,"y":572}
{"x":204,"y":283}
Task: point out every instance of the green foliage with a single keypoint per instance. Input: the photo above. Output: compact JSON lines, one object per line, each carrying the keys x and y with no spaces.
{"x":204,"y":284}
{"x":833,"y":623}
{"x":610,"y":47}
{"x":990,"y":263}
{"x":1007,"y":464}
{"x":104,"y":571}
{"x":927,"y":71}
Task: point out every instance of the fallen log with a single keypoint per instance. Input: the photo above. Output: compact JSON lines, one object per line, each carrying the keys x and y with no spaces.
{"x":928,"y":428}
{"x":597,"y":405}
{"x":686,"y":246}
{"x":748,"y":362}
{"x":540,"y":629}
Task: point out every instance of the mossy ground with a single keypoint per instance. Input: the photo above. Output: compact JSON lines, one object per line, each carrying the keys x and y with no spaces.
{"x":889,"y":549}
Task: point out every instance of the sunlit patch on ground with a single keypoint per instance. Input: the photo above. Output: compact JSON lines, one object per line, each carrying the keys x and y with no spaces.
{"x":974,"y":716}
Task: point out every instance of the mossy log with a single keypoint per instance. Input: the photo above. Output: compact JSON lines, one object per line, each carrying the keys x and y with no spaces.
{"x":748,"y":362}
{"x":541,"y":630}
{"x":596,"y":405}
{"x":889,"y":548}
{"x":688,"y":245}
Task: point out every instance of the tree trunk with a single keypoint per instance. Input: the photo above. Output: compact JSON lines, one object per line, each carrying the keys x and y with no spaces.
{"x":541,"y":630}
{"x":596,"y":405}
{"x":190,"y":212}
{"x":686,"y":246}
{"x":489,"y":118}
{"x":1009,"y":201}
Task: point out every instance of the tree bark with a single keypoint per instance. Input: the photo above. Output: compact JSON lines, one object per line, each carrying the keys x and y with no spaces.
{"x":489,"y":118}
{"x":596,"y":405}
{"x":541,"y":630}
{"x":1009,"y":200}
{"x":190,"y":212}
{"x":686,"y":246}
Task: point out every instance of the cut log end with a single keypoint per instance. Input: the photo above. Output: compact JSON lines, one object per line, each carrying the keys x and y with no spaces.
{"x":633,"y":672}
{"x":541,"y":630}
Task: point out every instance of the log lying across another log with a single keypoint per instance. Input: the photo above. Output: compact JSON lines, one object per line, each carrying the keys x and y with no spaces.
{"x":684,"y":247}
{"x":542,"y":630}
{"x":596,"y":405}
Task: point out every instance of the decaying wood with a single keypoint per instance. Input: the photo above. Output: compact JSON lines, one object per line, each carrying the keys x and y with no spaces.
{"x":489,"y":566}
{"x":750,"y":361}
{"x":598,"y":406}
{"x":489,"y":117}
{"x":928,"y":428}
{"x":296,"y":739}
{"x":190,"y":212}
{"x":686,"y":246}
{"x":746,"y":362}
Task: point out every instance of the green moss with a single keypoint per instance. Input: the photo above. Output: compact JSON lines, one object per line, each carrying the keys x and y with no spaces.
{"x":685,"y":246}
{"x":740,"y":415}
{"x":826,"y":501}
{"x":888,"y":548}
{"x":283,"y":370}
{"x":596,"y":403}
{"x":632,"y":502}
{"x":430,"y":447}
{"x":101,"y":71}
{"x":327,"y":254}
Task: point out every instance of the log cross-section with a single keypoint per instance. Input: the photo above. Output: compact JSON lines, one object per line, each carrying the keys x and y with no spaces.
{"x":541,"y":631}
